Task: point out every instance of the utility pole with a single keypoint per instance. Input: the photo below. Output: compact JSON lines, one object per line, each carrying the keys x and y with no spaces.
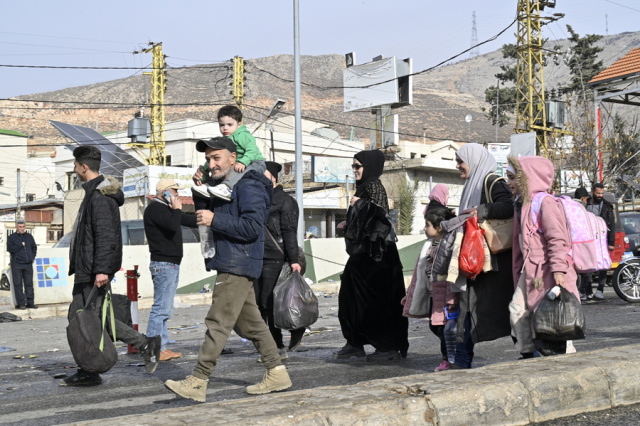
{"x":18,"y":213}
{"x":238,"y":80}
{"x":531,"y":115}
{"x":156,"y":145}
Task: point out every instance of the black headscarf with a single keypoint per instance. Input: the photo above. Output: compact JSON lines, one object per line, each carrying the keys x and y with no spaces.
{"x":373,"y":163}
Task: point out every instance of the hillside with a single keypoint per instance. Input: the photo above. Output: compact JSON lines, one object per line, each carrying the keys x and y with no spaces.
{"x":442,"y":97}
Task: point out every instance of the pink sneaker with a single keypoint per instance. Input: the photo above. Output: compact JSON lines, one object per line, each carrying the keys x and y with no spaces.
{"x":444,"y":365}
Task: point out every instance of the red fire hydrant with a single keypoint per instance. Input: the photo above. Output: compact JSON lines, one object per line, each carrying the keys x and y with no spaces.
{"x":132,"y":293}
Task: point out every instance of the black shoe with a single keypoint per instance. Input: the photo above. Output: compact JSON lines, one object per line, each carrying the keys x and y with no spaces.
{"x":296,"y":339}
{"x":348,"y":351}
{"x":526,"y":355}
{"x":32,"y":306}
{"x":22,"y":307}
{"x":226,"y":351}
{"x":151,"y":353}
{"x":383,"y":356}
{"x":82,"y":378}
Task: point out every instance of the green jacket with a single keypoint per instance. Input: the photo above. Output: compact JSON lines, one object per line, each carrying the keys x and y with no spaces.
{"x":246,"y":147}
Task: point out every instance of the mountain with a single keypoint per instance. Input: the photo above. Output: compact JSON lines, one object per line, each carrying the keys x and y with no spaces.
{"x":442,"y":97}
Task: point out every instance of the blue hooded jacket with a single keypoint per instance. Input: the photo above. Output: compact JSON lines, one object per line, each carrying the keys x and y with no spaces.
{"x":238,"y":227}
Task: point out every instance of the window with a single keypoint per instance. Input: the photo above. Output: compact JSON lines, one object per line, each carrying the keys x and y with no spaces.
{"x":30,"y":197}
{"x":1,"y":181}
{"x":167,"y":160}
{"x":72,"y":180}
{"x":413,"y":155}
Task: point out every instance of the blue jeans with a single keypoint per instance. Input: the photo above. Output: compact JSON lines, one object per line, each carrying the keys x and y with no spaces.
{"x":165,"y":277}
{"x":464,"y":349}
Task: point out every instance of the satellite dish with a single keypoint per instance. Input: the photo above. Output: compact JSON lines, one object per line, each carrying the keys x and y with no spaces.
{"x":468,"y":118}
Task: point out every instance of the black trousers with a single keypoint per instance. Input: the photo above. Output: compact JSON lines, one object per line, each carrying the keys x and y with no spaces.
{"x":263,"y":287}
{"x":22,"y":275}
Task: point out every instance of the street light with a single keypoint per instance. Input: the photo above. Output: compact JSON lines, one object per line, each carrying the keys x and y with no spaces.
{"x":469,"y":119}
{"x":275,"y":109}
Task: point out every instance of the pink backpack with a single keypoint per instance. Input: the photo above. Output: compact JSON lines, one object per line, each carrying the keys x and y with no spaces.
{"x":588,"y":233}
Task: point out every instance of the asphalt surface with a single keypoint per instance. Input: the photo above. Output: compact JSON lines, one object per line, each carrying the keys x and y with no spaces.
{"x":30,"y":393}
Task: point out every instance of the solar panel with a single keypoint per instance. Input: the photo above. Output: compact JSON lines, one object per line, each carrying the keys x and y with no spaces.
{"x":114,"y":159}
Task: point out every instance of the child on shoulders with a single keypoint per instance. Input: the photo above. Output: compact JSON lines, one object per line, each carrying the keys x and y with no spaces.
{"x":248,"y":158}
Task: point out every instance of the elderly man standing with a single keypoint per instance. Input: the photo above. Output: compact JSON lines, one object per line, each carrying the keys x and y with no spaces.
{"x":238,"y":228}
{"x":163,"y":220}
{"x":22,"y":248}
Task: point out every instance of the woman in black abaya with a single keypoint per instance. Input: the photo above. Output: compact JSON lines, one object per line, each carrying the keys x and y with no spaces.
{"x":372,"y":284}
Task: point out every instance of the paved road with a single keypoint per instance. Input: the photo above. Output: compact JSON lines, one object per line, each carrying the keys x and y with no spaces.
{"x":30,"y":394}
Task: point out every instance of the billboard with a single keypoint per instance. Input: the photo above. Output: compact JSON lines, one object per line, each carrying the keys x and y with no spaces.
{"x":382,"y":82}
{"x":500,"y":152}
{"x":142,"y":180}
{"x":332,"y":169}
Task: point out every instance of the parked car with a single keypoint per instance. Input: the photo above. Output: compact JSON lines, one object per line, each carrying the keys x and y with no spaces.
{"x":5,"y":281}
{"x":631,"y":224}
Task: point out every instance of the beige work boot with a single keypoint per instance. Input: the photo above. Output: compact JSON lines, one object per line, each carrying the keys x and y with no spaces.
{"x":191,"y":387}
{"x":276,"y":379}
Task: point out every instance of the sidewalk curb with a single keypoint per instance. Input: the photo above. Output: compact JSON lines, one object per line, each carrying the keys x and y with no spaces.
{"x":509,"y":393}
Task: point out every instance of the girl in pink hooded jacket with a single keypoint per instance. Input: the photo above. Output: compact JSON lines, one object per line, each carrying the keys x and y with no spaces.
{"x":541,"y":257}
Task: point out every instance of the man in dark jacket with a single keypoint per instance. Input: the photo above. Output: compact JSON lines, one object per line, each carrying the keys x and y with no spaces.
{"x":22,"y":248}
{"x":163,"y":220}
{"x":600,"y":207}
{"x":280,"y":245}
{"x":95,"y":255}
{"x":238,"y":230}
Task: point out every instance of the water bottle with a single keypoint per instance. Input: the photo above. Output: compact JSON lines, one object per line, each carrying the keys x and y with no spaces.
{"x":207,"y":246}
{"x":553,"y":293}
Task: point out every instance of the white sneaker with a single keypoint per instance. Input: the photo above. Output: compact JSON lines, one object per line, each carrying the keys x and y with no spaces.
{"x":220,"y":191}
{"x":201,"y":190}
{"x":599,"y":295}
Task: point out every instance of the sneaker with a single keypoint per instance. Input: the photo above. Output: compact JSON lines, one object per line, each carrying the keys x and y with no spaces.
{"x":220,"y":191}
{"x":34,"y":306}
{"x":383,"y":356}
{"x":281,"y":351}
{"x":82,"y":378}
{"x":191,"y":388}
{"x":444,"y":365}
{"x":151,"y":354}
{"x":167,"y":355}
{"x":590,"y":298}
{"x":599,"y":295}
{"x":583,"y":297}
{"x":276,"y":379}
{"x":21,"y":307}
{"x":201,"y":191}
{"x":348,"y":351}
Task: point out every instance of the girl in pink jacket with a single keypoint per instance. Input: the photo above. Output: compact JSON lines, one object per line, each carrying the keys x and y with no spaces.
{"x":541,"y":257}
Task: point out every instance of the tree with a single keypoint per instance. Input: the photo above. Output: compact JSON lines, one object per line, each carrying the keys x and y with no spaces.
{"x":406,"y":207}
{"x":583,"y":60}
{"x":502,"y":99}
{"x":623,"y":159}
{"x":583,"y":66}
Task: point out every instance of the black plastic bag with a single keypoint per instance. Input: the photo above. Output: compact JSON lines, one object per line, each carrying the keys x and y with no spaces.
{"x":294,"y":304}
{"x":90,"y":344}
{"x":559,"y":319}
{"x":9,"y":317}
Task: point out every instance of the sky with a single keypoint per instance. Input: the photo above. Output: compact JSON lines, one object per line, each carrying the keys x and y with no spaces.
{"x":74,"y":33}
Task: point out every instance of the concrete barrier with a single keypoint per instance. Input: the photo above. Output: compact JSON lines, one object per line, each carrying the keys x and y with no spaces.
{"x":512,"y":393}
